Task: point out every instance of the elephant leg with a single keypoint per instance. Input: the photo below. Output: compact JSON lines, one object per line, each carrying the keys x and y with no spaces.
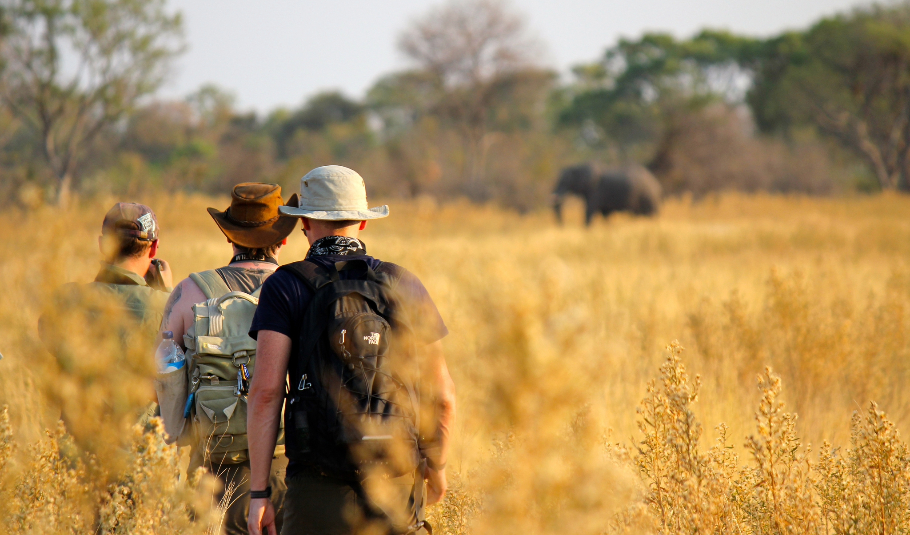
{"x":589,"y":215}
{"x":646,"y":206}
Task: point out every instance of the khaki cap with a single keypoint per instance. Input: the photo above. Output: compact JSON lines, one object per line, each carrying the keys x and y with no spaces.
{"x":129,"y":219}
{"x":333,"y":193}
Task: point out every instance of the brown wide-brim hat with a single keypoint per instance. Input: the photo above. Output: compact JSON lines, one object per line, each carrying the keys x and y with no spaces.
{"x":253,"y":220}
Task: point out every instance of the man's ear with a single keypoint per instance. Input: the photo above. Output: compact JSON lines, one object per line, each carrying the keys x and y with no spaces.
{"x":363,"y":225}
{"x":153,"y":250}
{"x":305,"y":222}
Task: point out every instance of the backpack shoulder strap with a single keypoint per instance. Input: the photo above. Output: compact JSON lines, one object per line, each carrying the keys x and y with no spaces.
{"x":211,"y":283}
{"x":255,"y":293}
{"x":311,"y":274}
{"x":220,"y":272}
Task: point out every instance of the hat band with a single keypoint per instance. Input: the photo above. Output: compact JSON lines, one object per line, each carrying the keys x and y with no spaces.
{"x":311,"y":203}
{"x":251,"y":224}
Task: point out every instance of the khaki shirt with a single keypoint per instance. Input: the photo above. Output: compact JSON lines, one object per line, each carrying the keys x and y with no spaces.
{"x":143,"y":302}
{"x":114,"y":291}
{"x":100,"y":334}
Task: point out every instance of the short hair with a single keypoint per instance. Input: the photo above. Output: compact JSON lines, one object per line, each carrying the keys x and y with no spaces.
{"x":334,"y":225}
{"x":269,"y":251}
{"x":117,"y":247}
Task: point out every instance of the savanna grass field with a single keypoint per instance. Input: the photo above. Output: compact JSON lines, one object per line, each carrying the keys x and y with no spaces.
{"x":710,"y":370}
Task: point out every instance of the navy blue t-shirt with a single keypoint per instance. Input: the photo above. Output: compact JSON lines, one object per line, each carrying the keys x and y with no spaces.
{"x":284,"y":299}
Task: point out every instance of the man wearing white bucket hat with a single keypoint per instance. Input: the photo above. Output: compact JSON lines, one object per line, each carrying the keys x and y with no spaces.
{"x":353,"y":345}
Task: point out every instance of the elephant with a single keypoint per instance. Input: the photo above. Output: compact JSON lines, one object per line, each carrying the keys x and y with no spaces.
{"x":630,"y":188}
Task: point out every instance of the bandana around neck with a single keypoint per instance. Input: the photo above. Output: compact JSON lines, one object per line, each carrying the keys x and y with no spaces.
{"x":337,"y":245}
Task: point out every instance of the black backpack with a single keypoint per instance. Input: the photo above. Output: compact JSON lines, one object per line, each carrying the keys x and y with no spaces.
{"x":353,"y":407}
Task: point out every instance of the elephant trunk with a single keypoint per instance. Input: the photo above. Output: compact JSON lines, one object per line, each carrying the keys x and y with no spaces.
{"x":557,"y":207}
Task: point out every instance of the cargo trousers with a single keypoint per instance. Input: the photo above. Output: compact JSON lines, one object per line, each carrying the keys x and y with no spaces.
{"x":235,"y":479}
{"x":319,"y":505}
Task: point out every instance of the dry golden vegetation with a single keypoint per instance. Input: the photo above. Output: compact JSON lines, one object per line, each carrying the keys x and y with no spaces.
{"x":574,"y":415}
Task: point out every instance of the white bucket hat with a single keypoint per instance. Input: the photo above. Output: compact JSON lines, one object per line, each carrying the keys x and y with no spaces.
{"x":333,"y":193}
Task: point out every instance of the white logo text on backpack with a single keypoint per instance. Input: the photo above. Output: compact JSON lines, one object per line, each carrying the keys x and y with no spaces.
{"x":372,"y":339}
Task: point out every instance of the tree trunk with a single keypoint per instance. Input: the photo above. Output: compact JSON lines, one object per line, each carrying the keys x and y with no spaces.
{"x":903,"y":159}
{"x":64,"y":191}
{"x":472,"y":185}
{"x":872,"y":152}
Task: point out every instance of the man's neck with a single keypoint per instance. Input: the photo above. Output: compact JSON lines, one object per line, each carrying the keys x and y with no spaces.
{"x":139,"y":266}
{"x":254,"y":264}
{"x":313,"y":235}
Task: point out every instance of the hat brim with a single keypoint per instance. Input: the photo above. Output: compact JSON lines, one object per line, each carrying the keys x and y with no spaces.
{"x":255,"y":237}
{"x":335,"y":215}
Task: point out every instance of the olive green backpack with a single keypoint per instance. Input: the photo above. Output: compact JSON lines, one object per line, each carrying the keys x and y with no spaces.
{"x":220,"y":358}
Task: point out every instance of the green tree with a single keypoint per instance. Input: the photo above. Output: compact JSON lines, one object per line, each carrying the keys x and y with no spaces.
{"x":643,"y":89}
{"x":73,"y":67}
{"x":213,"y":106}
{"x":316,"y":115}
{"x":159,"y":130}
{"x":398,"y":100}
{"x":849,"y":77}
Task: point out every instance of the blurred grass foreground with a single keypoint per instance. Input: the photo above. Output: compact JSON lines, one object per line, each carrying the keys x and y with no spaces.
{"x":574,"y":413}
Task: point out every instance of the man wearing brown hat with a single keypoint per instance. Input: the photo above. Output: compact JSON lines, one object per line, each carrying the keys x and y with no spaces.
{"x":367,"y":437}
{"x":256,"y":232}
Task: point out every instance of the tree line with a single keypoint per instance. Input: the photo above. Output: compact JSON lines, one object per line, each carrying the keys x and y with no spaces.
{"x":818,"y":110}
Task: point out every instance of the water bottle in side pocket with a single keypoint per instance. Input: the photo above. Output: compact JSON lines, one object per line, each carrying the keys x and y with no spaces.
{"x":169,"y":356}
{"x":170,"y":386}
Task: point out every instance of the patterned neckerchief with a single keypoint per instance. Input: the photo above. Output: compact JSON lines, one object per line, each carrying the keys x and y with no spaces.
{"x":337,"y":245}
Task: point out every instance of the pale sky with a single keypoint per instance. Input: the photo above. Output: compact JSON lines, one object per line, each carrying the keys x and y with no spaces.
{"x":273,"y":53}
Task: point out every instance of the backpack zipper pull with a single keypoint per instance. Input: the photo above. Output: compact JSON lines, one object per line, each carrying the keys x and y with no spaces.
{"x":187,"y":409}
{"x":304,"y":385}
{"x":243,"y":385}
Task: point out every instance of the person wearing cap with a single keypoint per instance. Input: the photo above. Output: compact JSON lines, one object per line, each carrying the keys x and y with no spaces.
{"x":334,"y":211}
{"x":129,"y":245}
{"x":123,"y":304}
{"x":256,"y":232}
{"x":129,"y":269}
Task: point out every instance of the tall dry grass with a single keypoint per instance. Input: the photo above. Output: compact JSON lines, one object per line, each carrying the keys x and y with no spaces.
{"x":555,"y":335}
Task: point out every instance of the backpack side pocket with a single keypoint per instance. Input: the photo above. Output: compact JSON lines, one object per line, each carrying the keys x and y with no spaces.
{"x":172,"y":392}
{"x":221,"y":424}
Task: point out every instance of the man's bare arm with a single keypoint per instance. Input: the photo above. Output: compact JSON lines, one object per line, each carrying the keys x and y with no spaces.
{"x":174,"y":321}
{"x":442,"y":391}
{"x":441,"y":388}
{"x":178,"y":312}
{"x":273,"y":351}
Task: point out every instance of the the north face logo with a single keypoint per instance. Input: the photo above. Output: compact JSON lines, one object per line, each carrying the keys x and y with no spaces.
{"x":372,"y":339}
